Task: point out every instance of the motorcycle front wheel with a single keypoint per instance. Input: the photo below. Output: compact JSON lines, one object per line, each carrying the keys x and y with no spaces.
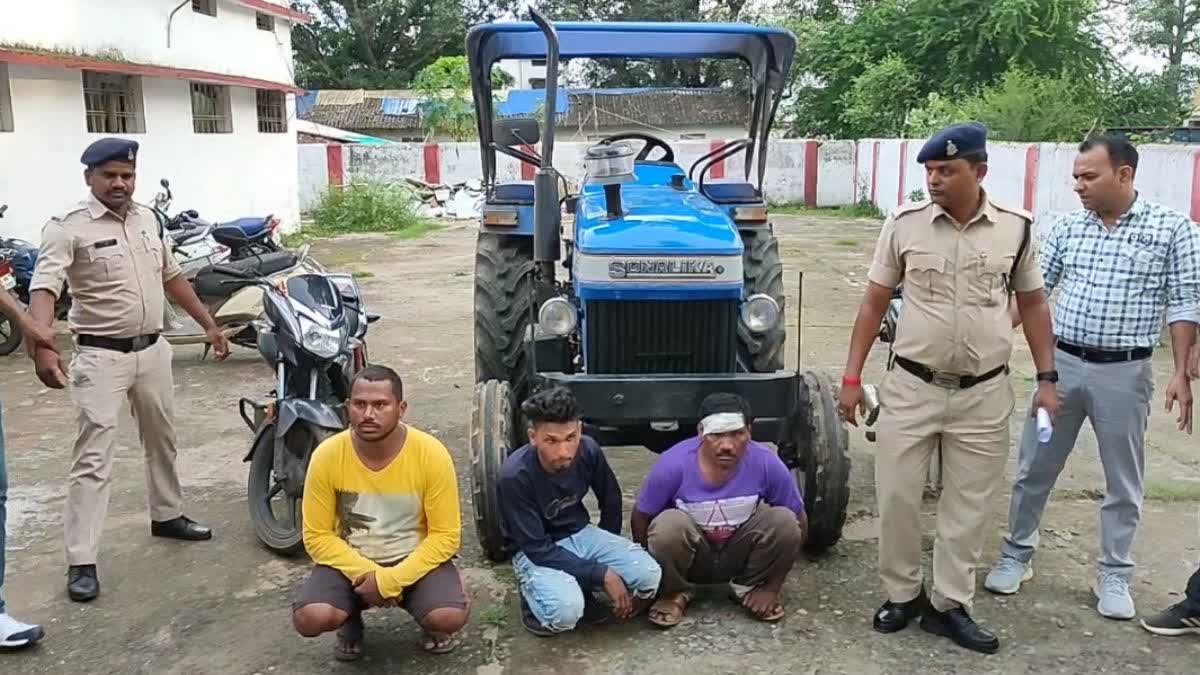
{"x":276,"y":514}
{"x":10,"y":336}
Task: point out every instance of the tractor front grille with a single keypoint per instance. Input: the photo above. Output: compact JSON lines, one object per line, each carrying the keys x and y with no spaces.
{"x":640,"y":337}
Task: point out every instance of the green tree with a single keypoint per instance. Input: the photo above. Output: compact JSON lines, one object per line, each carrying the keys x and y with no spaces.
{"x":446,"y":106}
{"x":955,"y":47}
{"x":878,"y":100}
{"x":1168,"y":28}
{"x":380,"y":44}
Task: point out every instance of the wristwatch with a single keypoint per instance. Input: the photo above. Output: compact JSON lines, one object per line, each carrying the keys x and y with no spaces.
{"x":1048,"y":376}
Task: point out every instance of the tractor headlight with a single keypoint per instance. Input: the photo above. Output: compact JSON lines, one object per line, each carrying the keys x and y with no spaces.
{"x":609,"y":163}
{"x":760,"y":313}
{"x":319,"y":340}
{"x":557,"y":316}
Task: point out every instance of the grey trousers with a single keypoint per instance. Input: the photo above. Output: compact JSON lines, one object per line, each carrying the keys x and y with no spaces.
{"x":1115,"y":398}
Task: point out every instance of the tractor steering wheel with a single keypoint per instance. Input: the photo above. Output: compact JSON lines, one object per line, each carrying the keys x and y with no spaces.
{"x":651,"y":142}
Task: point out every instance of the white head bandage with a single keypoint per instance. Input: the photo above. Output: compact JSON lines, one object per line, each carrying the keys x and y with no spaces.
{"x":722,"y":423}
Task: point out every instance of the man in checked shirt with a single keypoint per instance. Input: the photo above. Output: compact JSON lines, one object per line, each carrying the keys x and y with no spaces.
{"x":1120,"y":262}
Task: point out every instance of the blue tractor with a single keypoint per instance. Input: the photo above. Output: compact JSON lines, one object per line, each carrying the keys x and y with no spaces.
{"x":664,"y":287}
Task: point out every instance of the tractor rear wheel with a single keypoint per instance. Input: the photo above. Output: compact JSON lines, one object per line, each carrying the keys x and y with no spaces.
{"x":503,"y":296}
{"x":493,"y":435}
{"x":822,"y":441}
{"x":762,"y":273}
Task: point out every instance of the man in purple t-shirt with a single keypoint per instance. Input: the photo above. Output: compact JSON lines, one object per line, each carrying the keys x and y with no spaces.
{"x":720,"y":508}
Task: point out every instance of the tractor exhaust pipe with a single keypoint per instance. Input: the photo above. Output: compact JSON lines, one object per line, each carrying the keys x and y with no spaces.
{"x":547,"y":214}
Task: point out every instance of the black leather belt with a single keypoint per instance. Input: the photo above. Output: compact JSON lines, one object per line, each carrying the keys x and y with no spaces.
{"x":1105,"y":355}
{"x":133,"y":344}
{"x":947,"y":380}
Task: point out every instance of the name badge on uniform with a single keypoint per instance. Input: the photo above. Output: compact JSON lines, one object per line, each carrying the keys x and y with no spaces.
{"x":105,"y":243}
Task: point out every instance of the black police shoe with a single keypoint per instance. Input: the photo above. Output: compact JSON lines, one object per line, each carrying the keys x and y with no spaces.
{"x":957,"y":625}
{"x":82,"y":583}
{"x":894,"y":616}
{"x":180,"y":528}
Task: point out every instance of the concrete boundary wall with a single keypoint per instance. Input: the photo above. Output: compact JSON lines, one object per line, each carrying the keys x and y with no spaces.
{"x":1033,"y":176}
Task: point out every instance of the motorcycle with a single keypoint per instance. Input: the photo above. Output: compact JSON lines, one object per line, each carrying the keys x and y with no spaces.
{"x":234,"y":307}
{"x":243,"y":237}
{"x":21,"y":257}
{"x":314,"y":337}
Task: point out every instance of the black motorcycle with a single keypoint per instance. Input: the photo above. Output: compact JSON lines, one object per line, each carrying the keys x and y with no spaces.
{"x":314,"y":336}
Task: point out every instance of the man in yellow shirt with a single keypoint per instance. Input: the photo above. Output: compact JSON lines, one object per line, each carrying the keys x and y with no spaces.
{"x":381,"y":522}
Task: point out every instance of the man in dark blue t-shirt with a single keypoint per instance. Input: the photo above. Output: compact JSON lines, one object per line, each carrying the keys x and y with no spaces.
{"x":562,"y":559}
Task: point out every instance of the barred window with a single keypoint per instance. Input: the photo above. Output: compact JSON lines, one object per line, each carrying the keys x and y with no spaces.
{"x":208,"y":7}
{"x":113,"y":103}
{"x":264,"y":21}
{"x":210,"y":109}
{"x":272,"y":111}
{"x":6,"y":117}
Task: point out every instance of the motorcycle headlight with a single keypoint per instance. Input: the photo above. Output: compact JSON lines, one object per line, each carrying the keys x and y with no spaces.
{"x":321,"y":341}
{"x":760,"y":313}
{"x":557,"y":316}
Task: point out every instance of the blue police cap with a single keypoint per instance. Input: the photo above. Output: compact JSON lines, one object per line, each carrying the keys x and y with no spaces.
{"x":957,"y":141}
{"x":107,"y":150}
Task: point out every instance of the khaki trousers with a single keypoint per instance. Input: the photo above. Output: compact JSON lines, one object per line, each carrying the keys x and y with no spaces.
{"x":101,"y":380}
{"x":972,"y":425}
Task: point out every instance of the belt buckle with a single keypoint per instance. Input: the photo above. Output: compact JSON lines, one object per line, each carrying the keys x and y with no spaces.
{"x":946,"y":380}
{"x":140,"y":342}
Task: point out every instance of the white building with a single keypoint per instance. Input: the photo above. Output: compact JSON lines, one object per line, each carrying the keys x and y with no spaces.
{"x":205,"y":87}
{"x":526,"y":73}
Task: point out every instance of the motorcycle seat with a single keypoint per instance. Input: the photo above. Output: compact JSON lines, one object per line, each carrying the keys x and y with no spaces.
{"x":210,"y":282}
{"x":250,"y":227}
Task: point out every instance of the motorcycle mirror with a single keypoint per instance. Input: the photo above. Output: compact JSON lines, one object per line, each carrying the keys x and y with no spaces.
{"x":3,"y":208}
{"x":192,"y":213}
{"x":372,"y":318}
{"x":165,"y":183}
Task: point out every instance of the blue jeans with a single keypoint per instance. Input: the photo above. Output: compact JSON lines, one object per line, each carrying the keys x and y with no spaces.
{"x":3,"y":506}
{"x":555,"y":597}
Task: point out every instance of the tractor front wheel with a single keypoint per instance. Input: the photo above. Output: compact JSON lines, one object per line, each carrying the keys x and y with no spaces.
{"x":503,"y":296}
{"x":492,"y":439}
{"x":762,"y":273}
{"x":822,"y":441}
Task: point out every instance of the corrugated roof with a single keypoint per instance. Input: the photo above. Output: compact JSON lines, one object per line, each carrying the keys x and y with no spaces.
{"x":593,"y":108}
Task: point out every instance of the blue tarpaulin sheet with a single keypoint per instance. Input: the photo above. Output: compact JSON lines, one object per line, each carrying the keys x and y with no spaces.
{"x":400,"y":106}
{"x":526,"y":101}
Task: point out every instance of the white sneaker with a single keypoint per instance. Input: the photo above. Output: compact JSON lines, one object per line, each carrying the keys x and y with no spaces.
{"x":15,"y":634}
{"x":1007,"y":575}
{"x":1113,"y":592}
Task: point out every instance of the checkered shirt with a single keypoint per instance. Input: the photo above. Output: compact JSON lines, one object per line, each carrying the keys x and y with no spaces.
{"x":1115,"y":285}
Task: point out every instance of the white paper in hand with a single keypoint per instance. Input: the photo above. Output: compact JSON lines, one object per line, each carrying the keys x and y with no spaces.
{"x":1044,"y":428}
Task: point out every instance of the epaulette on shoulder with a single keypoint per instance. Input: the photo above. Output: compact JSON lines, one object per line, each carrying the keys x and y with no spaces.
{"x":63,"y":215}
{"x":1000,"y":206}
{"x":911,"y":207}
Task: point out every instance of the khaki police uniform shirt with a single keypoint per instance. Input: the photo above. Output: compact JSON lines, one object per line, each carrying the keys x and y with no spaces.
{"x":955,"y":316}
{"x":115,"y":268}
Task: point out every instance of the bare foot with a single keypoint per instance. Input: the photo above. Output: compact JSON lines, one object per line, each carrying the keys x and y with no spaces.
{"x":763,"y":602}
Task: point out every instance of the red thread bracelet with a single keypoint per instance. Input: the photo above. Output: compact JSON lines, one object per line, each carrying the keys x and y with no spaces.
{"x":851,"y":381}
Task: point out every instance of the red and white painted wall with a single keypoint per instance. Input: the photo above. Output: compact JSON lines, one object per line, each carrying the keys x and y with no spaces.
{"x":1033,"y":176}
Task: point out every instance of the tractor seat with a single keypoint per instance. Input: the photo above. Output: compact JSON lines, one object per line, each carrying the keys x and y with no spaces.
{"x":732,"y":193}
{"x":520,"y":194}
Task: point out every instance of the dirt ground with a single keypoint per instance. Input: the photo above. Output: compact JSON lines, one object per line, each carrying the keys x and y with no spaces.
{"x":224,"y":606}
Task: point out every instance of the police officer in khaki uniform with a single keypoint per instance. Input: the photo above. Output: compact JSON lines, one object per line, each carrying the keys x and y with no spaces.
{"x":960,"y":254}
{"x":109,"y":249}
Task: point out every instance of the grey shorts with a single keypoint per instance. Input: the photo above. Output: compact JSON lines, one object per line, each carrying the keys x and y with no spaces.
{"x":441,"y":587}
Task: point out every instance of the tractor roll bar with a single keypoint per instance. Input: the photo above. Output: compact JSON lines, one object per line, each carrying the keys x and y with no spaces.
{"x":547,"y":212}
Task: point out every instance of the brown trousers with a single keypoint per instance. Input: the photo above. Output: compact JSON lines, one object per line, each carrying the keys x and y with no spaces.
{"x":764,"y":547}
{"x":101,"y":381}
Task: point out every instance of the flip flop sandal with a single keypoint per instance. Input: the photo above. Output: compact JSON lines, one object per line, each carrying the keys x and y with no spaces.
{"x":667,"y":612}
{"x":443,"y":644}
{"x":349,"y":640}
{"x":530,"y":622}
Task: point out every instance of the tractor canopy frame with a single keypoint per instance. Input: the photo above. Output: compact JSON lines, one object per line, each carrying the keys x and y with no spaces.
{"x":767,"y":51}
